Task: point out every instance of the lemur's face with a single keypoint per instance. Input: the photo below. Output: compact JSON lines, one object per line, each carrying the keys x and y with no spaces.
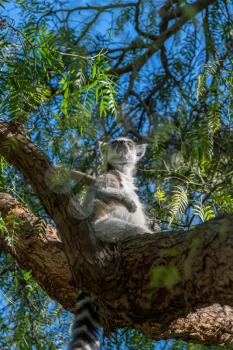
{"x":123,"y":151}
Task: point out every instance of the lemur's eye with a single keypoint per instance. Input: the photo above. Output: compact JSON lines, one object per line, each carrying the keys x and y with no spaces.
{"x":129,"y":143}
{"x":114,"y":142}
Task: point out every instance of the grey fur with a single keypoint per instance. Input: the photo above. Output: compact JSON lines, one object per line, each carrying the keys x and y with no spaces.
{"x":113,"y":202}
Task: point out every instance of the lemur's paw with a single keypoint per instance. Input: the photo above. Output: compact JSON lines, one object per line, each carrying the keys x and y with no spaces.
{"x":131,"y":207}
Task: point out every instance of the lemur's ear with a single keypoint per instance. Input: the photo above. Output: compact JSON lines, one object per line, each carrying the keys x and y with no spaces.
{"x":140,"y":150}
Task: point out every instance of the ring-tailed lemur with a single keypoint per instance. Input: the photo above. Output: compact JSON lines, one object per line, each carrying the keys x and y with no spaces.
{"x":115,"y":209}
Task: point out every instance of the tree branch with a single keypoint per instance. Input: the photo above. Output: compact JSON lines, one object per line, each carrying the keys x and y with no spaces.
{"x":99,"y":8}
{"x":35,"y":246}
{"x":137,"y":26}
{"x":61,"y":206}
{"x":170,"y":284}
{"x":188,"y":11}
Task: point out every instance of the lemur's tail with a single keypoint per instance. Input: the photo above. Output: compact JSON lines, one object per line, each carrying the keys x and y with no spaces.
{"x":86,"y":326}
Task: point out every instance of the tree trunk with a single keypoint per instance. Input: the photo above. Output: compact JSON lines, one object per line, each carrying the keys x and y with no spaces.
{"x":35,"y":246}
{"x":170,"y":284}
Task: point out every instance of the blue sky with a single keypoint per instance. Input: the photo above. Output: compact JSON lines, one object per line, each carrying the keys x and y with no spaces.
{"x":103,"y":28}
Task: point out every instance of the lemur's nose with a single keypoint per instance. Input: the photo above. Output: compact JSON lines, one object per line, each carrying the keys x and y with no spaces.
{"x":121,"y":142}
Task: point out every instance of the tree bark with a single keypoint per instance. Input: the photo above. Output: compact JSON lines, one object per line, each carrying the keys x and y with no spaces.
{"x":35,"y":246}
{"x":170,"y":284}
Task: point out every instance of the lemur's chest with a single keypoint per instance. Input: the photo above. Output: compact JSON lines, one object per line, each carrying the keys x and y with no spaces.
{"x":129,"y":188}
{"x":114,"y":208}
{"x":138,"y":217}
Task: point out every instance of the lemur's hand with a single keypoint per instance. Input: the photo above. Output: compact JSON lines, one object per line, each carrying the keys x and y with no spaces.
{"x":109,"y":194}
{"x":130,"y":205}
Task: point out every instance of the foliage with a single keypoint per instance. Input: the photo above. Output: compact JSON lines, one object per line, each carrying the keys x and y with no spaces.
{"x":36,"y":318}
{"x":179,"y":201}
{"x":58,"y":80}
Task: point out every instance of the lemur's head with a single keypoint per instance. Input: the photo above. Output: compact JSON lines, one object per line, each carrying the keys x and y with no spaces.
{"x":123,"y":154}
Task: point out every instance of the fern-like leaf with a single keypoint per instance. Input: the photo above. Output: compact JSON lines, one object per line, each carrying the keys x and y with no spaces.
{"x":179,"y":202}
{"x":204,"y":212}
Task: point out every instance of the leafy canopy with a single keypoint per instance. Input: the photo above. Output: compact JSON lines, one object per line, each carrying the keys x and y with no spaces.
{"x":63,"y":78}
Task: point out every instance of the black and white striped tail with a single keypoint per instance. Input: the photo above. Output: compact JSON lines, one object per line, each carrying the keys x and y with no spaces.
{"x":86,"y":326}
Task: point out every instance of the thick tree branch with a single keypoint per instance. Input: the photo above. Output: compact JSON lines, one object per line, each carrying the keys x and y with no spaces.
{"x":61,"y":206}
{"x":127,"y":277}
{"x":41,"y":252}
{"x":35,"y":246}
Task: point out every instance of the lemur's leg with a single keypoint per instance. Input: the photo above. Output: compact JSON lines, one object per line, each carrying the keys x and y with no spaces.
{"x":120,"y":196}
{"x":113,"y":229}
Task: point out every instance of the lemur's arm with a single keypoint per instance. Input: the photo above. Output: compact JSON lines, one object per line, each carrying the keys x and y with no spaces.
{"x":118,"y":195}
{"x":107,"y":187}
{"x":78,"y":176}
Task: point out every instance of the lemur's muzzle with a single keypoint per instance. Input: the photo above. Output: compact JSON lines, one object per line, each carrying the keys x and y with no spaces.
{"x":122,"y":147}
